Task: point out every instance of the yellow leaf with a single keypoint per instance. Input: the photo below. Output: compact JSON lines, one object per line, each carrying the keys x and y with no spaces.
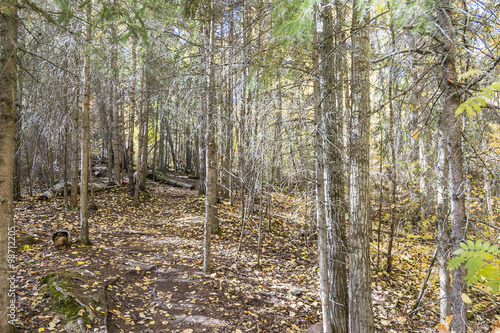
{"x":88,"y":325}
{"x":41,"y":329}
{"x":449,"y":319}
{"x":152,"y":322}
{"x":187,"y":330}
{"x":442,"y":328}
{"x":466,"y":299}
{"x":238,"y":331}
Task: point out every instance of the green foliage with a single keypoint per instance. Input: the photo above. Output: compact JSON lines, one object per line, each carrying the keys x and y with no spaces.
{"x":479,"y":259}
{"x":477,"y":101}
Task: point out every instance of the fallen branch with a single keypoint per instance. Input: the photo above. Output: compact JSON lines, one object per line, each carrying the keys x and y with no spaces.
{"x":169,"y":181}
{"x":57,"y":189}
{"x":106,"y":308}
{"x":424,"y":284}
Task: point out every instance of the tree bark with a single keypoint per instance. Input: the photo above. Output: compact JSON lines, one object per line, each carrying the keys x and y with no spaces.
{"x":450,"y":91}
{"x":360,"y":299}
{"x":320,"y":189}
{"x":8,"y":98}
{"x":75,"y":155}
{"x":211,"y":218}
{"x":202,"y":120}
{"x":443,"y":230}
{"x":114,"y":105}
{"x":84,"y":214}
{"x":131,"y":124}
{"x":331,"y":104}
{"x":393,"y":169}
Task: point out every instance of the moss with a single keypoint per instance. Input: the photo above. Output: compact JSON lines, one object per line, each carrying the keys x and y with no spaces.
{"x":63,"y":303}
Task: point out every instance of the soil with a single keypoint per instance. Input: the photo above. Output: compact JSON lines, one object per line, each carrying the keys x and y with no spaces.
{"x":150,"y":258}
{"x":155,"y":253}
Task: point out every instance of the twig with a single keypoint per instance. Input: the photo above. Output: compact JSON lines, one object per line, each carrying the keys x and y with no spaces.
{"x":424,"y":284}
{"x":490,"y":296}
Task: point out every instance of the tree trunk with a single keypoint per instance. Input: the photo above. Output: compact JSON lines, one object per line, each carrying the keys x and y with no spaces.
{"x":75,"y":155}
{"x":8,"y":98}
{"x":443,"y":230}
{"x":139,"y":148}
{"x":393,"y":175}
{"x":211,"y":218}
{"x":145,"y":131}
{"x":320,"y":190}
{"x":331,"y":104}
{"x":202,"y":120}
{"x":84,"y":214}
{"x":360,"y":299}
{"x":131,"y":124}
{"x":114,"y":105}
{"x":451,"y":97}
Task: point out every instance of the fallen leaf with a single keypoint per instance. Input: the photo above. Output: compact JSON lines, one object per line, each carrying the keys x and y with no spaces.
{"x":442,"y":328}
{"x":466,"y":299}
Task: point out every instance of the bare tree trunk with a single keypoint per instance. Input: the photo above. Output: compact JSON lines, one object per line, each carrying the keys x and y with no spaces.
{"x":75,"y":155}
{"x":145,"y":131}
{"x":393,"y":169}
{"x":8,"y":98}
{"x":320,"y":190}
{"x":131,"y":123}
{"x":443,"y":230}
{"x":451,"y":97}
{"x":139,"y":147}
{"x":84,"y":214}
{"x":202,"y":120}
{"x":155,"y":137}
{"x":360,"y":299}
{"x":211,"y":218}
{"x":114,"y":105}
{"x":331,"y":107}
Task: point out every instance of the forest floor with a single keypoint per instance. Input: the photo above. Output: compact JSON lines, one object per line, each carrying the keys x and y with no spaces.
{"x":153,"y":255}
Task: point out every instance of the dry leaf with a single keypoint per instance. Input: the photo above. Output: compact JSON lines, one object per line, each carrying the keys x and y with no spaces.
{"x":442,"y":328}
{"x":466,"y":299}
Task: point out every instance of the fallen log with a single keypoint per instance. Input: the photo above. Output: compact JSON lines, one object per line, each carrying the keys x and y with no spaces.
{"x":164,"y":180}
{"x":57,"y":189}
{"x":53,"y":191}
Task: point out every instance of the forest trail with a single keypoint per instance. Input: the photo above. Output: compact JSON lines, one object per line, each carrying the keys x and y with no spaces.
{"x":155,"y":252}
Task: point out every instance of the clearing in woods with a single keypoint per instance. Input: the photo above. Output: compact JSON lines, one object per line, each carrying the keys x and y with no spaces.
{"x":151,"y":258}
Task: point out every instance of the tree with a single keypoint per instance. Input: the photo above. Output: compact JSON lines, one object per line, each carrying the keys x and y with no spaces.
{"x":8,"y":110}
{"x":320,"y":190}
{"x":360,"y":298}
{"x":211,"y":218}
{"x":443,"y":230}
{"x":334,"y":182}
{"x":451,"y":97}
{"x":84,"y":188}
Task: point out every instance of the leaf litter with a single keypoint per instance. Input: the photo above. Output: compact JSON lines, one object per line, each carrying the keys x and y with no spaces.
{"x":153,"y":254}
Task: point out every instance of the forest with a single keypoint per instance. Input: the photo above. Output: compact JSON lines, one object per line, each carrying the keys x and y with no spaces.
{"x":249,"y":166}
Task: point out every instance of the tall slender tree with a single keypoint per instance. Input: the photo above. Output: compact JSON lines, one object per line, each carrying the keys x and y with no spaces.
{"x":84,"y":188}
{"x":331,"y":97}
{"x":450,"y":91}
{"x":320,"y":187}
{"x":360,"y":297}
{"x":8,"y":111}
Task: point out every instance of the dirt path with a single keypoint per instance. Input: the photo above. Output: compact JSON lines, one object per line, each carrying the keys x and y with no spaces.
{"x":154,"y":254}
